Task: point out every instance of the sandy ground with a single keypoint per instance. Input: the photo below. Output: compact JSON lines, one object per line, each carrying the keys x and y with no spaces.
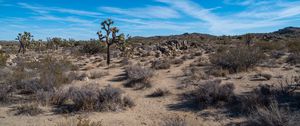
{"x":148,"y":111}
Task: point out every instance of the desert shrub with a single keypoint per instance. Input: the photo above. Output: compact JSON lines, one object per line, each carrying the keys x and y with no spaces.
{"x":212,"y":93}
{"x":52,"y":72}
{"x":293,"y":58}
{"x":5,"y":93}
{"x":161,"y":64}
{"x":193,"y":76}
{"x":91,"y":98}
{"x":237,"y":59}
{"x":160,"y":93}
{"x":27,"y":109}
{"x":3,"y":58}
{"x":272,"y":116}
{"x":262,"y":96}
{"x":138,"y":76}
{"x":91,"y":48}
{"x":175,"y":121}
{"x":79,"y":122}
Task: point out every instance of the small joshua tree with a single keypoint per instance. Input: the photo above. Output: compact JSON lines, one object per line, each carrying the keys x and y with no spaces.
{"x":24,"y":40}
{"x":111,"y":36}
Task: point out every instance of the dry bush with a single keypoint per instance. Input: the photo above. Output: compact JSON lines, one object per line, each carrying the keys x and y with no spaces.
{"x":138,"y":76}
{"x":293,"y":58}
{"x":27,"y":109}
{"x":272,"y":116}
{"x":212,"y":93}
{"x":160,"y":93}
{"x":175,"y":121}
{"x":3,"y":58}
{"x":160,"y":64}
{"x":90,"y":98}
{"x":193,"y":76}
{"x":52,"y":72}
{"x":5,"y":93}
{"x":237,"y":59}
{"x":79,"y":122}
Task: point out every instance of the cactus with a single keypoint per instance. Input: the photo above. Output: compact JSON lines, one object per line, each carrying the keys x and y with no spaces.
{"x":110,"y":31}
{"x":24,"y":40}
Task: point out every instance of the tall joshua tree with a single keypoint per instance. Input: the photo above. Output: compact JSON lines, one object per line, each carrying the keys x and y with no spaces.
{"x":111,"y":36}
{"x":24,"y":40}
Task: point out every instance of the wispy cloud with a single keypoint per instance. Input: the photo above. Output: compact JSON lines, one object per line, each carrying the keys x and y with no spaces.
{"x":42,"y":9}
{"x":146,"y":12}
{"x":231,"y":23}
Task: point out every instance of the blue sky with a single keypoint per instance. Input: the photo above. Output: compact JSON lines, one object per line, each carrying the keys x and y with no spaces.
{"x":80,"y":19}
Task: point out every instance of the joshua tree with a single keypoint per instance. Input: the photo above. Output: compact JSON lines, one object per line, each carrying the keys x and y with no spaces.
{"x":24,"y":40}
{"x":110,"y":31}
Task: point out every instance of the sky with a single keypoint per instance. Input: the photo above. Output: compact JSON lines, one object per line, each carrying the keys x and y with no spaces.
{"x":80,"y":19}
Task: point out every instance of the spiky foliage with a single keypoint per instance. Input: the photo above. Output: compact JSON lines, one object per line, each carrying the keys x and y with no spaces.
{"x":111,"y":36}
{"x":24,"y":40}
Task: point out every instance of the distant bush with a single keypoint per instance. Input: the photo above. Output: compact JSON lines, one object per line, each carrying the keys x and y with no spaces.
{"x":237,"y":59}
{"x":91,"y":98}
{"x":161,"y":64}
{"x":138,"y":76}
{"x":27,"y":109}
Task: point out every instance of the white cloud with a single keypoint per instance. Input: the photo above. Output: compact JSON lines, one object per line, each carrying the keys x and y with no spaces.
{"x":147,"y":12}
{"x":43,"y":10}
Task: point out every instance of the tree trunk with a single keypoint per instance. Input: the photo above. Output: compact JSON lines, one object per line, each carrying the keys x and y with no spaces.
{"x":108,"y":55}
